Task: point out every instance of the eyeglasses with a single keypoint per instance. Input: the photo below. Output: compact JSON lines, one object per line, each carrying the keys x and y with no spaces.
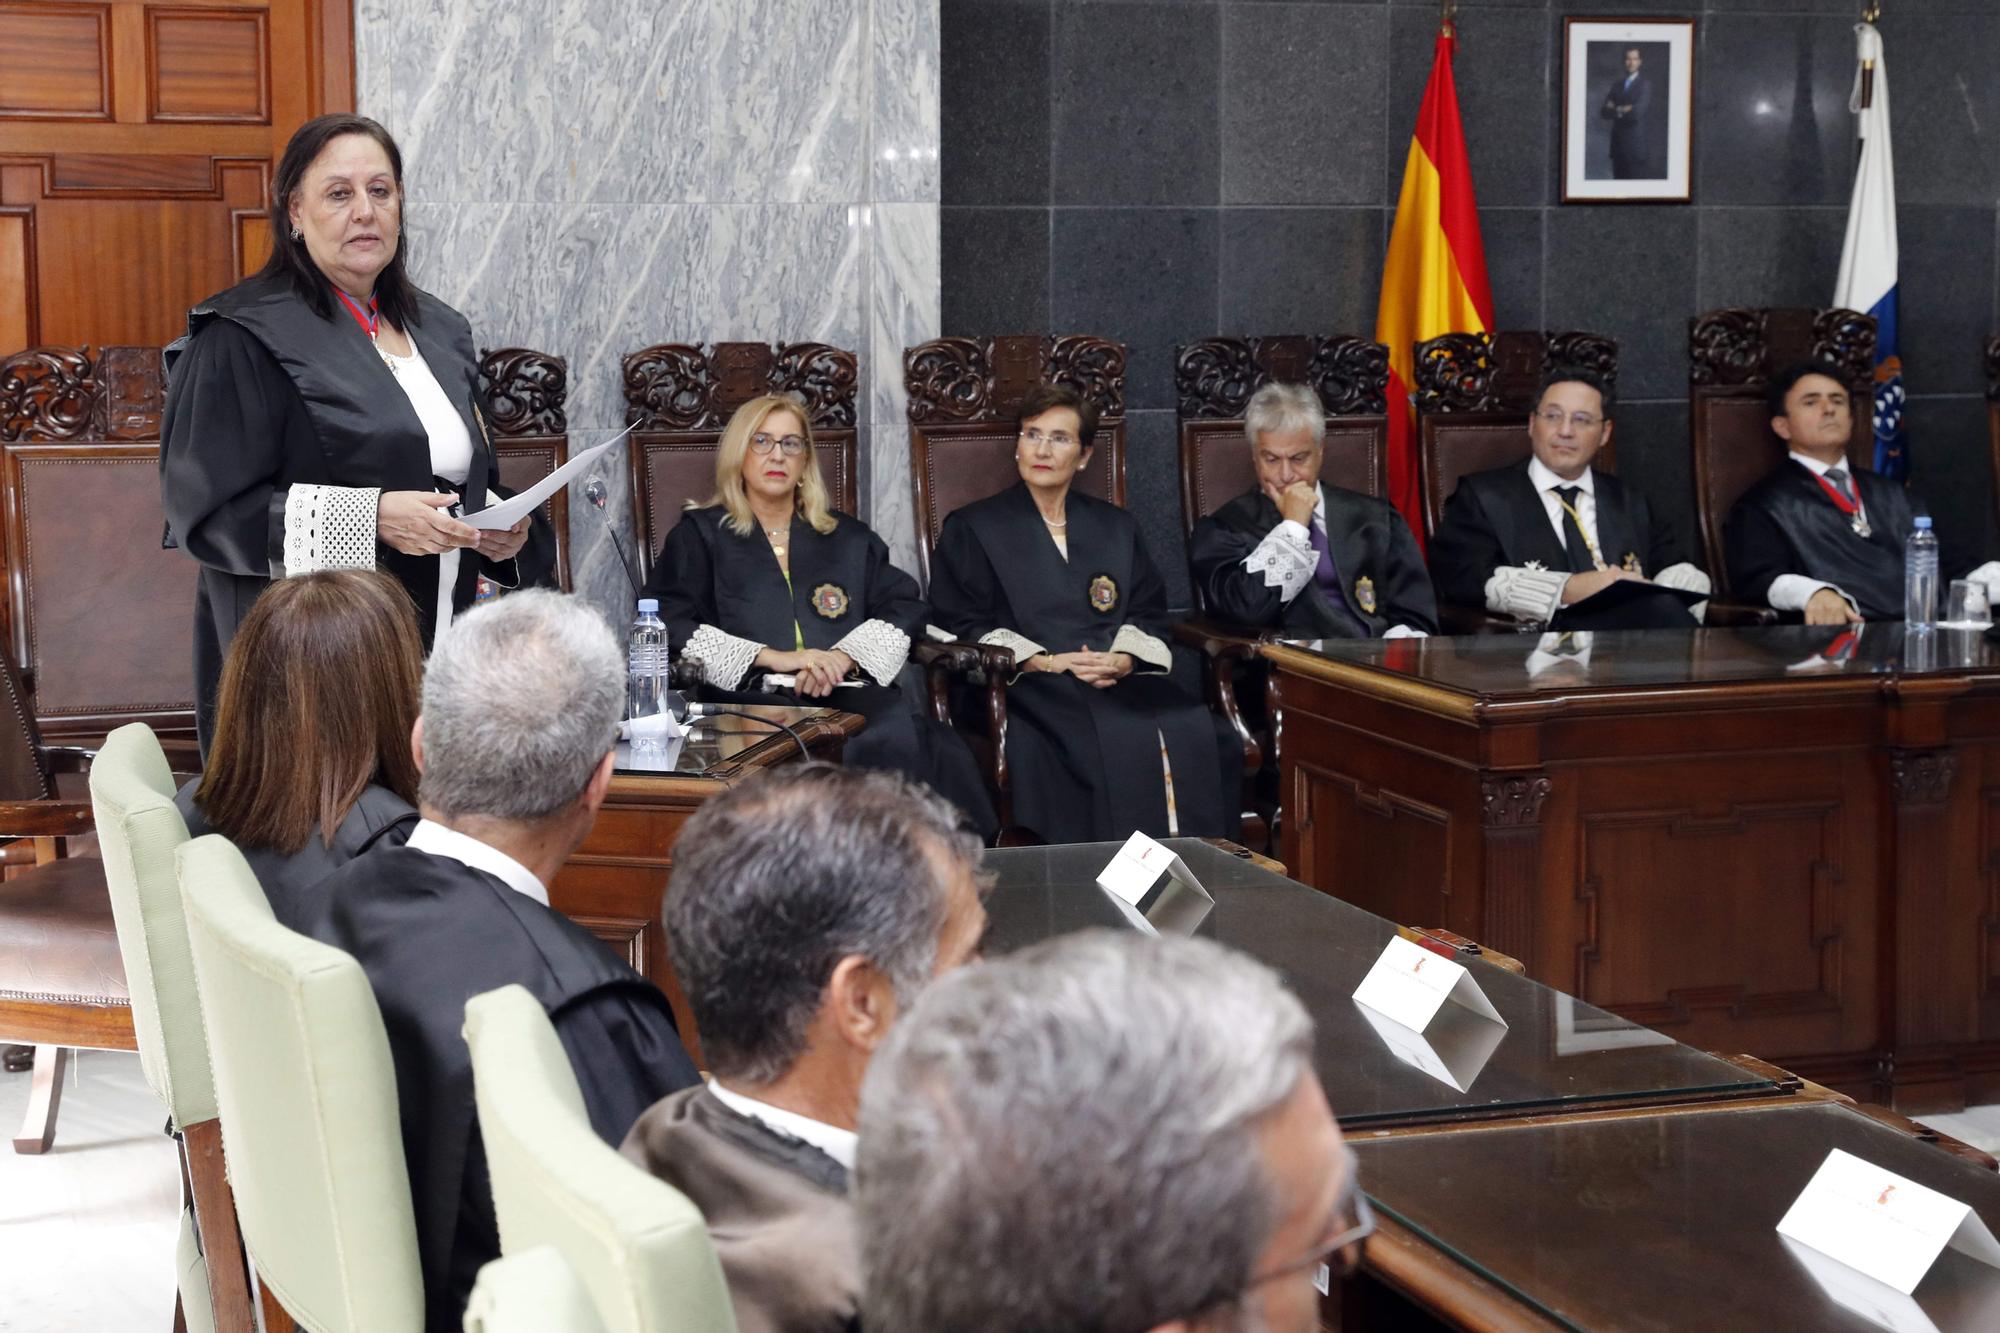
{"x":1553,"y":419}
{"x":1342,"y":1249}
{"x":1059,"y":440}
{"x":793,"y":445}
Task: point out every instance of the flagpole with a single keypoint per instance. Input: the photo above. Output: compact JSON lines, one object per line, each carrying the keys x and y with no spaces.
{"x":1871,"y":13}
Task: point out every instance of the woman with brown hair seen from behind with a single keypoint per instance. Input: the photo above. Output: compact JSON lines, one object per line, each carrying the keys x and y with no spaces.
{"x":310,"y":764}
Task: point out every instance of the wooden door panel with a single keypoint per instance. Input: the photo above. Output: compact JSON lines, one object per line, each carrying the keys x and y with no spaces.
{"x":136,"y":148}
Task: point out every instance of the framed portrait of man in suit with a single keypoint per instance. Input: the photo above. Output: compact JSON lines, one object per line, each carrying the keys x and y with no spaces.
{"x":1628,"y":110}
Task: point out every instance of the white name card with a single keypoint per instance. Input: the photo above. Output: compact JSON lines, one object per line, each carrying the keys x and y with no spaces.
{"x":1409,"y":984}
{"x":1137,"y":868}
{"x":1878,"y":1223}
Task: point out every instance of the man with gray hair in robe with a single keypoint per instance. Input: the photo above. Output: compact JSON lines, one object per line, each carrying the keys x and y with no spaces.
{"x":809,"y":907}
{"x":1107,"y":1131}
{"x":521,"y":701}
{"x":1303,"y":555}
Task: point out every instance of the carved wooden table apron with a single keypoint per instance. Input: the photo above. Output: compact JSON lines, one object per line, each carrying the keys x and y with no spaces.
{"x":615,"y":884}
{"x":1764,"y":840}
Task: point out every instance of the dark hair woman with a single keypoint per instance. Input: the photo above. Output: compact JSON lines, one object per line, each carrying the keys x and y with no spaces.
{"x":1100,"y":741}
{"x":325,"y":413}
{"x":311,"y":761}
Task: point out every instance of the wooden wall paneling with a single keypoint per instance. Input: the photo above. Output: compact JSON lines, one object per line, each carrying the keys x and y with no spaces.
{"x":136,"y":144}
{"x":55,"y":61}
{"x":208,"y":65}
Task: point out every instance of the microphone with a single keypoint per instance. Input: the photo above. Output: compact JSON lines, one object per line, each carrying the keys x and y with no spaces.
{"x":595,"y":491}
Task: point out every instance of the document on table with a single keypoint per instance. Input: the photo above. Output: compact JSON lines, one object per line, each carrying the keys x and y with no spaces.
{"x":507,"y":513}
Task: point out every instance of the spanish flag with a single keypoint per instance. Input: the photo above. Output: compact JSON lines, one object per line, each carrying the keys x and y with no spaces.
{"x":1434,"y":278}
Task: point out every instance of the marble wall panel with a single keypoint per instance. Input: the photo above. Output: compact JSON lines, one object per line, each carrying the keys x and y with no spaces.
{"x":587,"y":177}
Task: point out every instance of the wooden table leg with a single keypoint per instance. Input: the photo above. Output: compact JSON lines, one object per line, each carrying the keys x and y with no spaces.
{"x":38,"y":1126}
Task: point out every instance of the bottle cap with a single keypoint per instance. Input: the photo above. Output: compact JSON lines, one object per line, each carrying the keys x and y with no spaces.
{"x":649,"y":606}
{"x":1923,"y":522}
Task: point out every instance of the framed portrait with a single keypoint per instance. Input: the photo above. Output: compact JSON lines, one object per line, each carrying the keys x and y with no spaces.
{"x":1628,"y":110}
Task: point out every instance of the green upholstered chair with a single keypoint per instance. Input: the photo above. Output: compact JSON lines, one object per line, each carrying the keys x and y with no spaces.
{"x":639,"y":1246}
{"x":138,"y":831}
{"x":535,"y":1291}
{"x":308,"y":1100}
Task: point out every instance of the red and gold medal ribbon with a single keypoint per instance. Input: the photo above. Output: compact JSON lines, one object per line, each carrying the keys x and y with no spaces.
{"x":369,"y":320}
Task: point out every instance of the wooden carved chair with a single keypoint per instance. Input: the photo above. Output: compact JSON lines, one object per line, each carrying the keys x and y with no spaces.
{"x":679,"y":396}
{"x":1992,"y":357}
{"x":99,"y":618}
{"x":1474,"y":392}
{"x":1214,"y":380}
{"x":1732,"y":355}
{"x":963,"y":396}
{"x":526,"y":396}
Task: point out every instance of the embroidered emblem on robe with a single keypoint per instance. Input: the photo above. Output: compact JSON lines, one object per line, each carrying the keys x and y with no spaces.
{"x":1364,"y":594}
{"x":1103,"y":593}
{"x":830,"y":600}
{"x":1632,"y":563}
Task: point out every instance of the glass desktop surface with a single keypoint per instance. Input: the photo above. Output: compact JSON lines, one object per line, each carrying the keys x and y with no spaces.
{"x":1500,"y":664}
{"x":714,"y":741}
{"x":1556,"y":1049}
{"x":1667,"y":1222}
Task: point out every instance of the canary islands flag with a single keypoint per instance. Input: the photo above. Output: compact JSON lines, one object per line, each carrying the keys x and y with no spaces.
{"x":1868,"y":258}
{"x":1434,"y":275}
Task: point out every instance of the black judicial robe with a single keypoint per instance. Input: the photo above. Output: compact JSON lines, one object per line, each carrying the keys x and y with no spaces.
{"x":708,"y":575}
{"x":431,"y":933}
{"x":1366,"y":538}
{"x":378,"y":817}
{"x":1786,"y":524}
{"x":263,"y":394}
{"x":1496,"y":519}
{"x":1085,"y":761}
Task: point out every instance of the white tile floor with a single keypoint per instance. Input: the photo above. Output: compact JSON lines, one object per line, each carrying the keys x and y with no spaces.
{"x":87,"y":1229}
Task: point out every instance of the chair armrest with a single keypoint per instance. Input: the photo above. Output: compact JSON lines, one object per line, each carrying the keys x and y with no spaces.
{"x":45,"y":819}
{"x":987,"y":667}
{"x":1223,"y":647}
{"x":1456,"y":619}
{"x":1737,"y":615}
{"x":67,"y":758}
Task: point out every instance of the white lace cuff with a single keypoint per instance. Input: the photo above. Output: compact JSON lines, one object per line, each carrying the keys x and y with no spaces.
{"x":1405,"y":632}
{"x":878,"y":648}
{"x":1791,"y":592}
{"x":1145,"y":649}
{"x":330,"y":527}
{"x":1020,"y":645}
{"x":725,"y":659}
{"x":1524,"y":593}
{"x":1286,"y":560}
{"x":1689,"y":579}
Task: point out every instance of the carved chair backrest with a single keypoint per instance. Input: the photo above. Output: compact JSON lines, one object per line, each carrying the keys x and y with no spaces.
{"x":1992,"y":356}
{"x":1474,"y":392}
{"x":1732,"y":355}
{"x":1214,"y":380}
{"x":964,"y":394}
{"x":680,"y":396}
{"x":526,"y":396}
{"x":96,"y":611}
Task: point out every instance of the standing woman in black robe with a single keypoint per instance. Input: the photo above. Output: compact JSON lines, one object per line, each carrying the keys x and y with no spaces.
{"x":1099,"y":741}
{"x":767,"y":578}
{"x":324,"y":414}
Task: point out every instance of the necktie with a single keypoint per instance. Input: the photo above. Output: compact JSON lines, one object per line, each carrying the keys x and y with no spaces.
{"x":1580,"y":559}
{"x":1324,"y":574}
{"x":1838,"y":476}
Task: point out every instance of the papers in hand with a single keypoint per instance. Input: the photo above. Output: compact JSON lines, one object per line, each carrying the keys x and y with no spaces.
{"x":508,"y":512}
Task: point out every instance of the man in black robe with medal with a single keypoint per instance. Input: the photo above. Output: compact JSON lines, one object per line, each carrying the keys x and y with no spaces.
{"x":1818,"y":536}
{"x":1297,"y":554}
{"x":520,"y":713}
{"x":1544,"y":541}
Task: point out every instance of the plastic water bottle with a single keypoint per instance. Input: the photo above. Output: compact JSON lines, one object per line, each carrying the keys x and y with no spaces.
{"x":1920,"y":577}
{"x":648,"y":693}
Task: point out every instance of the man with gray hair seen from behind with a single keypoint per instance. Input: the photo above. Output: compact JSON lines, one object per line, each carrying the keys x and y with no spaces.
{"x":1107,"y":1132}
{"x":808,"y":908}
{"x":514,"y":744}
{"x":1303,"y":555}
